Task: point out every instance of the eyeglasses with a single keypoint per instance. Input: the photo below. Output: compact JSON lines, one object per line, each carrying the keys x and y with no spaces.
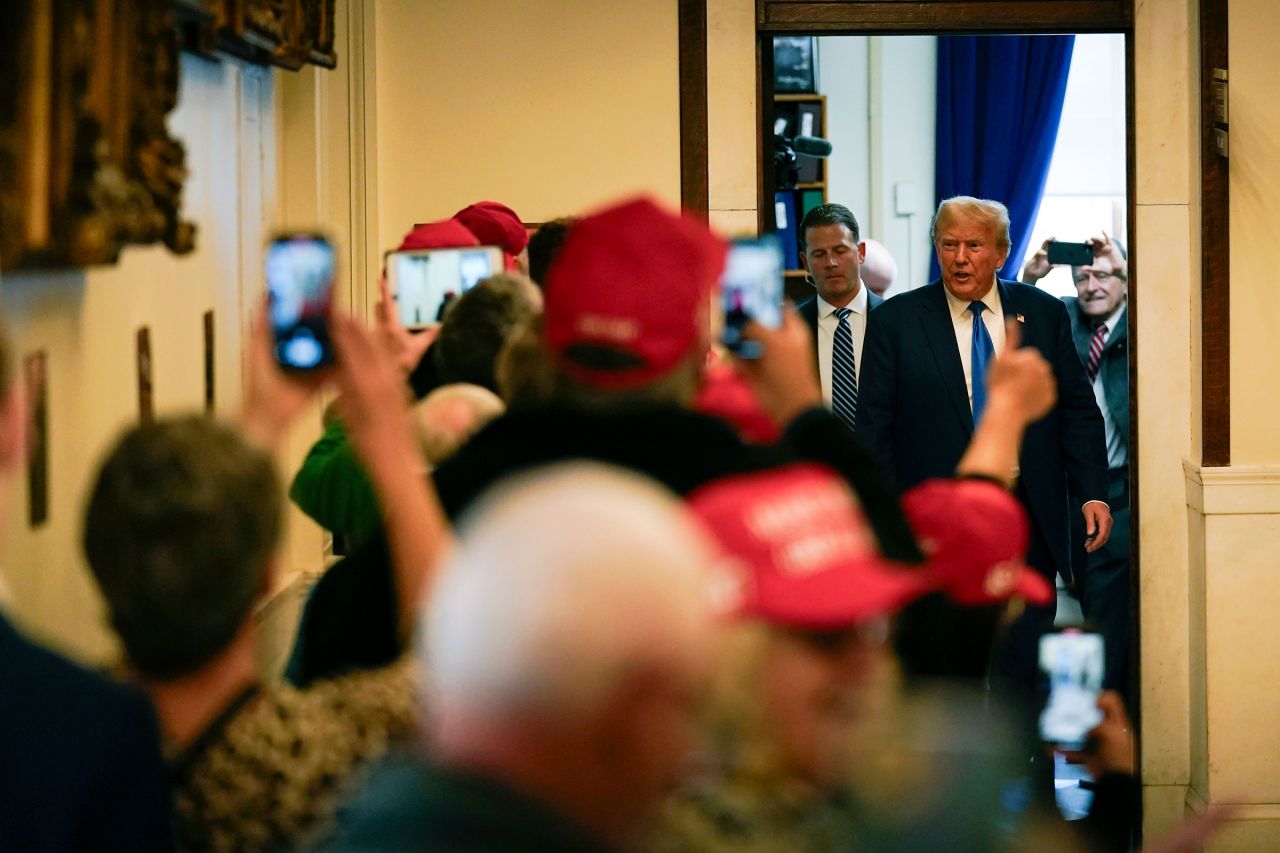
{"x":1100,"y":276}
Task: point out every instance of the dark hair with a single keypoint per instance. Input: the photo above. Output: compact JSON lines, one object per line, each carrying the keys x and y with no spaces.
{"x":477,"y":325}
{"x":828,"y":214}
{"x":178,"y":532}
{"x":935,"y":637}
{"x":544,"y":245}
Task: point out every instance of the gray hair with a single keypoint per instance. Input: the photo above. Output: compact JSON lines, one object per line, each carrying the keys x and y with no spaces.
{"x":563,"y":583}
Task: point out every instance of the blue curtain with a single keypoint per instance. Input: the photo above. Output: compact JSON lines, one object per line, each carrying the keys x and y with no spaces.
{"x":999,"y":102}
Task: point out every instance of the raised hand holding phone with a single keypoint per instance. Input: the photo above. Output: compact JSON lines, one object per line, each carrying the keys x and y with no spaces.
{"x":300,"y":269}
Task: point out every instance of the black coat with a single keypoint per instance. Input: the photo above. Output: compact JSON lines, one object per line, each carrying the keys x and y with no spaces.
{"x":808,"y":310}
{"x":913,"y":407}
{"x":80,"y":765}
{"x":1114,"y":367}
{"x":349,"y":621}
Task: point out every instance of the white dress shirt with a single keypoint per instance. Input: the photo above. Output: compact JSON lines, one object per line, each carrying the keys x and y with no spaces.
{"x":1116,"y":455}
{"x":962,"y":320}
{"x":827,"y":322}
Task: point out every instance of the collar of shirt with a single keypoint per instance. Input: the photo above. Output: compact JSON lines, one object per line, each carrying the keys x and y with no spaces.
{"x":1114,"y":320}
{"x":858,"y":305}
{"x":959,"y":307}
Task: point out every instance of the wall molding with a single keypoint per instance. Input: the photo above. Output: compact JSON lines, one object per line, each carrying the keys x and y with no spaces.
{"x":1235,"y":490}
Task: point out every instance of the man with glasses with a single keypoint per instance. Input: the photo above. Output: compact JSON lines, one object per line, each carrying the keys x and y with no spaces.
{"x":1099,"y":327}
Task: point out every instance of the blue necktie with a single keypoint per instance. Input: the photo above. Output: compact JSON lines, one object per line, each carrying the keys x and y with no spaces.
{"x":844,"y":373}
{"x":983,"y":352}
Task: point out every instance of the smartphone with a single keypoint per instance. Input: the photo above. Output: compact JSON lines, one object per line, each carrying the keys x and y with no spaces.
{"x":751,"y":288}
{"x":424,"y":281}
{"x":1070,"y":254}
{"x":300,"y":270}
{"x":1075,"y":663}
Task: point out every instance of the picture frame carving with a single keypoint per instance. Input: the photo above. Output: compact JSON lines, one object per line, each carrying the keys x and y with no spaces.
{"x":87,"y":165}
{"x":285,"y":33}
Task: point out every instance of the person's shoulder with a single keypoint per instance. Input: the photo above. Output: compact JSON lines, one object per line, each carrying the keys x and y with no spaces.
{"x":808,"y":308}
{"x":38,"y":678}
{"x":1030,"y":295}
{"x":909,"y":301}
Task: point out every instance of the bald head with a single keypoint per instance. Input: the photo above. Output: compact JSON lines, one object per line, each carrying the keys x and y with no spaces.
{"x":623,"y":586}
{"x":447,"y":417}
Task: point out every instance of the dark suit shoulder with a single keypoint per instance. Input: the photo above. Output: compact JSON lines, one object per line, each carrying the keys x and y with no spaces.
{"x":808,"y":309}
{"x":909,"y":301}
{"x":1030,"y":295}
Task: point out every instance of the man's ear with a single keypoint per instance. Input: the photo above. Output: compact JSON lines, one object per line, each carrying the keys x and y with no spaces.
{"x":13,"y":428}
{"x":271,"y":571}
{"x":862,"y":252}
{"x":804,"y":259}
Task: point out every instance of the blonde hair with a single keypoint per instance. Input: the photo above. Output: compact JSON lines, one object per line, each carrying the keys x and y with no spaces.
{"x":990,"y":213}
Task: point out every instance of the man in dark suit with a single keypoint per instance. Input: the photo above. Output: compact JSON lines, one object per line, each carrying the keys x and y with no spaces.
{"x":1099,"y":327}
{"x":832,"y":253}
{"x":926,"y":355}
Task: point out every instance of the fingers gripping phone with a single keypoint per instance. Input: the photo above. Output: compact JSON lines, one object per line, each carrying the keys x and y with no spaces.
{"x":1070,"y":254}
{"x":424,"y":281}
{"x":1075,"y":663}
{"x":751,"y":288}
{"x":300,"y":271}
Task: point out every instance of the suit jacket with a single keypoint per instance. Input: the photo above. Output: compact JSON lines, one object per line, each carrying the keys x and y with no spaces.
{"x":80,"y":765}
{"x":808,"y":309}
{"x":913,"y":407}
{"x":1114,"y":367}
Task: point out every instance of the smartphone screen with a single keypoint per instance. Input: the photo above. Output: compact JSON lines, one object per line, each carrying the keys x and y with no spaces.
{"x":751,"y":289}
{"x":1071,"y":254}
{"x":1074,"y":661}
{"x":300,"y":269}
{"x":424,"y":281}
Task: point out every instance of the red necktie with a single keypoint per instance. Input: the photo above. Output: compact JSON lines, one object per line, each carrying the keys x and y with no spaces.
{"x":1095,"y":351}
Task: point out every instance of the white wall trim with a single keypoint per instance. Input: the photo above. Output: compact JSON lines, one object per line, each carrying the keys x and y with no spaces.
{"x":361,"y":58}
{"x":1235,"y":490}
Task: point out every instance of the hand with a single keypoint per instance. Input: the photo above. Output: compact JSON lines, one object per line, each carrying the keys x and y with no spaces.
{"x":1110,"y":742}
{"x":784,"y":378}
{"x":1103,"y":247}
{"x":1021,"y":379}
{"x":272,"y":397}
{"x":1038,"y":265}
{"x":374,"y":399}
{"x":1097,"y":525}
{"x":406,"y":347}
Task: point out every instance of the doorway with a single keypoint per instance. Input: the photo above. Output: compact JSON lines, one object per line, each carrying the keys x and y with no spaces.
{"x":887,"y":174}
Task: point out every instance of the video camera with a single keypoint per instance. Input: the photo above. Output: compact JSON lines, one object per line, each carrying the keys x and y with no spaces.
{"x":785,"y":152}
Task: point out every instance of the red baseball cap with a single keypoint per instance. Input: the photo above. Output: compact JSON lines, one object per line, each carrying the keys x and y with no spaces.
{"x":974,"y":534}
{"x":495,"y":224}
{"x":635,"y":279}
{"x":445,"y":234}
{"x":801,"y":550}
{"x":726,"y":395}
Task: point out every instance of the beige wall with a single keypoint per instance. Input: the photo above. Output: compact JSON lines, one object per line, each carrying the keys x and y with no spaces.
{"x":86,"y":321}
{"x":552,"y":106}
{"x":265,"y":150}
{"x":1255,"y":216}
{"x":1235,"y":511}
{"x":1166,"y":267}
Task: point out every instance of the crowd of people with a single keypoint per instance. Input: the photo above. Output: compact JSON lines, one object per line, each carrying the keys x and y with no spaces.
{"x":605,"y":587}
